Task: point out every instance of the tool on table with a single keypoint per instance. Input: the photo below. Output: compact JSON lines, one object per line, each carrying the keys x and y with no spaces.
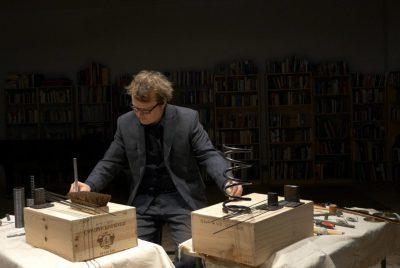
{"x":75,"y":174}
{"x":326,"y":231}
{"x":15,"y":235}
{"x":326,"y":223}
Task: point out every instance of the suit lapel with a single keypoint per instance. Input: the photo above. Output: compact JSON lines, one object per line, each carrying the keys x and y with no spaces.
{"x":169,"y":129}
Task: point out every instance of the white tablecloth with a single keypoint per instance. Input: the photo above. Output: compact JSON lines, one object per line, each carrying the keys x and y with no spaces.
{"x":363,"y":246}
{"x":15,"y":252}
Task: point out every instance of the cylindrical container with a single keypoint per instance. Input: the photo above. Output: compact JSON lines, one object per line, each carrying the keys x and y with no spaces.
{"x":272,"y":199}
{"x":292,"y":193}
{"x":32,"y":185}
{"x":40,"y":196}
{"x":19,"y":204}
{"x":30,"y":202}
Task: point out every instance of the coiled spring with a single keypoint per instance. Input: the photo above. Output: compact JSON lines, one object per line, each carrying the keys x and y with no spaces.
{"x":232,"y":181}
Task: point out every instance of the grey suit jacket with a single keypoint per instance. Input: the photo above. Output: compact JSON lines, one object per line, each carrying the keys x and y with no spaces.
{"x":186,"y":146}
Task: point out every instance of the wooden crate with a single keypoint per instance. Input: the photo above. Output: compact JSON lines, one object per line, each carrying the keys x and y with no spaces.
{"x":251,"y":238}
{"x":79,"y":236}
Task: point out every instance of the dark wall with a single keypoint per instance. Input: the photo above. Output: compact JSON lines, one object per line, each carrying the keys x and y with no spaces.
{"x":59,"y":37}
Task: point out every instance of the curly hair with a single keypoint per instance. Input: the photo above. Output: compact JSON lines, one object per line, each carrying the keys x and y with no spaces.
{"x":146,"y":83}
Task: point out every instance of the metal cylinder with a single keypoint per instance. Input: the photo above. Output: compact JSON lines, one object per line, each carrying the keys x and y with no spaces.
{"x":40,"y":196}
{"x":32,"y":185}
{"x":272,"y":199}
{"x":30,"y":202}
{"x":292,"y":193}
{"x":19,"y":204}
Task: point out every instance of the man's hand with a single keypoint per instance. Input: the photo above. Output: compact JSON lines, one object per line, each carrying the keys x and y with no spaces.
{"x":234,"y":190}
{"x":83,"y":187}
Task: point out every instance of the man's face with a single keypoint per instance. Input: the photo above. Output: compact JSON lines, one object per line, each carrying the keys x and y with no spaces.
{"x":149,"y":112}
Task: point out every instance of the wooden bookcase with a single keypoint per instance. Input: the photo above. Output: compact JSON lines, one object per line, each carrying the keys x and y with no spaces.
{"x":369,"y":122}
{"x":94,"y":104}
{"x":40,"y":113}
{"x":94,"y":112}
{"x":332,"y":104}
{"x":237,"y":121}
{"x":194,"y":89}
{"x":289,"y":122}
{"x":393,"y":110}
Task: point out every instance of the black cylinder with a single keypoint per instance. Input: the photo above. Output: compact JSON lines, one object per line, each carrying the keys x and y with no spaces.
{"x":272,"y":199}
{"x":19,"y":204}
{"x":292,"y":193}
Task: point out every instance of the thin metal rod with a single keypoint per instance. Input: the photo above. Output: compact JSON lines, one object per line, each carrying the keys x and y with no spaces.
{"x":74,"y":160}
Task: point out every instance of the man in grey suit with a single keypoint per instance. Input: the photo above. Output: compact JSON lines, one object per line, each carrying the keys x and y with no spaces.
{"x":164,"y":146}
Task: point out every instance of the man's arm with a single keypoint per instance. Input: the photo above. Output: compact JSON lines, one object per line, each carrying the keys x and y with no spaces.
{"x":208,"y":157}
{"x":106,"y":168}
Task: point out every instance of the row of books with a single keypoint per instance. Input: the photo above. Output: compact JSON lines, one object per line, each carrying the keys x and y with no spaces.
{"x":333,"y":86}
{"x":289,"y":98}
{"x":370,"y":113}
{"x":56,"y":116}
{"x":291,"y":153}
{"x":289,"y":82}
{"x":190,"y":78}
{"x":238,"y":67}
{"x":332,"y":128}
{"x":57,"y":133}
{"x":23,"y":116}
{"x":290,"y":171}
{"x":328,"y":106}
{"x":368,"y":96}
{"x":374,"y":132}
{"x":290,"y":65}
{"x":236,"y":84}
{"x":95,"y":113}
{"x":93,"y":75}
{"x":332,"y":147}
{"x":23,"y":80}
{"x":360,"y":80}
{"x":24,"y":97}
{"x":62,"y":95}
{"x":237,"y":137}
{"x":96,"y":94}
{"x":289,"y":120}
{"x":371,"y":172}
{"x":365,"y":151}
{"x":332,"y":68}
{"x":196,"y":97}
{"x":236,"y":100}
{"x":332,"y":170}
{"x":290,"y":135}
{"x":237,"y":120}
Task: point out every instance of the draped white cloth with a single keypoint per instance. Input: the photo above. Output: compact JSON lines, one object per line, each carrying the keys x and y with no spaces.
{"x":15,"y":252}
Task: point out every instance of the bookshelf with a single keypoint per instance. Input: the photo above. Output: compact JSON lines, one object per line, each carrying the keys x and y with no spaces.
{"x":369,"y":122}
{"x":42,"y":111}
{"x":289,"y":122}
{"x":194,"y":89}
{"x":332,"y":106}
{"x":393,"y":140}
{"x":237,"y":110}
{"x":94,"y":103}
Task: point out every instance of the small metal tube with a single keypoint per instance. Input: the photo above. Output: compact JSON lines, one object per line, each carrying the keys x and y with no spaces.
{"x":19,"y":204}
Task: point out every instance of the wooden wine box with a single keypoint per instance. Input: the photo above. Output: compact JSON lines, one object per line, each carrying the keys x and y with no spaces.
{"x":250,"y":238}
{"x":78,"y":236}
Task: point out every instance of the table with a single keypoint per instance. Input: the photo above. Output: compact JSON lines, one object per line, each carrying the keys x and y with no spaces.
{"x":15,"y":252}
{"x":365,"y":245}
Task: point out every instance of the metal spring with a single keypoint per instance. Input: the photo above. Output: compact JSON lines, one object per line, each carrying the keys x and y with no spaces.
{"x":229,"y":176}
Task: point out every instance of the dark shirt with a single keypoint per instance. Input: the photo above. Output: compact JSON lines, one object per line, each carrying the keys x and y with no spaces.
{"x":156,"y":179}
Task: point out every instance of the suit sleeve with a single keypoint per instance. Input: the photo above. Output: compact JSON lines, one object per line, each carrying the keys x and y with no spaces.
{"x":205,"y":153}
{"x":109,"y":166}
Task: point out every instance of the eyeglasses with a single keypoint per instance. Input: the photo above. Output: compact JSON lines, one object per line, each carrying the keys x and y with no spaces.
{"x":144,"y":111}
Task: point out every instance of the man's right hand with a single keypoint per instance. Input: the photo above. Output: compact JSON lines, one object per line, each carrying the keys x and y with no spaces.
{"x":83,"y":187}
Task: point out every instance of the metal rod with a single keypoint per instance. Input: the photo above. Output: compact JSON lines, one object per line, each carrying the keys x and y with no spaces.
{"x":74,"y":160}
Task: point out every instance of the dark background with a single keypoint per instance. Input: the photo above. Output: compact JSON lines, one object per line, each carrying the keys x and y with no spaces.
{"x":57,"y":38}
